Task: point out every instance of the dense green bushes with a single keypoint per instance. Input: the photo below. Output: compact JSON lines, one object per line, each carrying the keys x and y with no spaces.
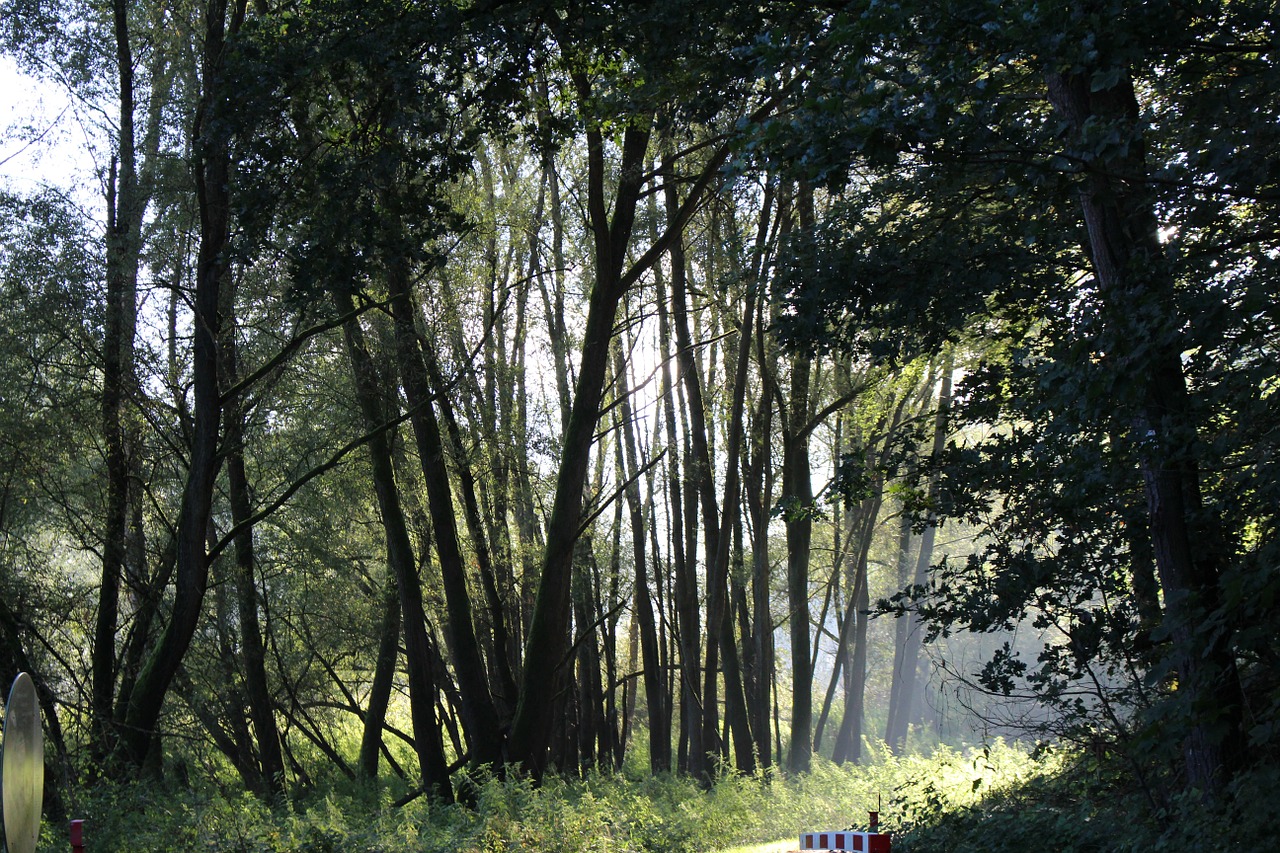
{"x":623,"y":812}
{"x":990,"y":799}
{"x":1079,"y":807}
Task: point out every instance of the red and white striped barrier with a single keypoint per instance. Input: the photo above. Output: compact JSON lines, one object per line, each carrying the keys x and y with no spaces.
{"x":848,"y":839}
{"x":865,"y":842}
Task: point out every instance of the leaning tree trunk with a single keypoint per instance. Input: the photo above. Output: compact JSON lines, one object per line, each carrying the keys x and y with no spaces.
{"x":480,"y":716}
{"x":548,"y":636}
{"x":418,"y":653}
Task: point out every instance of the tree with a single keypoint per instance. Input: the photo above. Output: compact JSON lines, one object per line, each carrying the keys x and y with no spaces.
{"x":213,"y":182}
{"x":1036,"y":132}
{"x":611,"y":234}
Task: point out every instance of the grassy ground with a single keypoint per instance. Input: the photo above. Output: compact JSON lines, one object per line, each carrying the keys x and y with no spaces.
{"x":598,"y":814}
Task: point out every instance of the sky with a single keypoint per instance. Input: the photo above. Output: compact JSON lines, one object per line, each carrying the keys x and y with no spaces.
{"x":43,"y":139}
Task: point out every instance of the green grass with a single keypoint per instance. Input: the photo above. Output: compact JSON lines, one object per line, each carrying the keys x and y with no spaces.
{"x":996,"y":800}
{"x":630,"y":812}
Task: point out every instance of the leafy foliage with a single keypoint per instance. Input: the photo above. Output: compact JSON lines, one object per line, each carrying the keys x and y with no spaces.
{"x":664,"y":814}
{"x":956,"y":219}
{"x":1086,"y":806}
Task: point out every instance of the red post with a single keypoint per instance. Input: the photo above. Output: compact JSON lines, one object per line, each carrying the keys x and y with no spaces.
{"x":77,"y":836}
{"x":875,"y":821}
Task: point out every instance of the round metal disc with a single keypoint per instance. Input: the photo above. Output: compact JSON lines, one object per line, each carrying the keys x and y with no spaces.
{"x":22,"y":767}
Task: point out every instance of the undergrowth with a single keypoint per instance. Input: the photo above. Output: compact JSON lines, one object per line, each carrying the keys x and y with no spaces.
{"x":991,"y":799}
{"x":1082,"y":808}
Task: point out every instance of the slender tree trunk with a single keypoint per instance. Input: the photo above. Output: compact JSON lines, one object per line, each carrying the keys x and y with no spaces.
{"x":588,"y":657}
{"x":685,"y":585}
{"x":480,"y":716}
{"x":759,"y":489}
{"x":798,"y":494}
{"x":896,"y":722}
{"x":735,"y":698}
{"x":213,"y":174}
{"x":654,"y":693}
{"x":375,"y":713}
{"x":905,"y":675}
{"x":419,"y":658}
{"x":475,"y":527}
{"x":252,"y":652}
{"x":702,"y":478}
{"x":848,"y":746}
{"x":124,"y":218}
{"x":225,"y":719}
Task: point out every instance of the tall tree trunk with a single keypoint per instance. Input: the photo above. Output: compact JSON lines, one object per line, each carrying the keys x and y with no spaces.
{"x":123,"y":243}
{"x":433,"y":769}
{"x":654,"y":692}
{"x":735,"y":697}
{"x":547,"y":643}
{"x":759,"y":490}
{"x":1133,"y":277}
{"x":213,"y":179}
{"x":690,"y":752}
{"x":685,"y":584}
{"x":475,"y":527}
{"x":480,"y":716}
{"x":797,"y":493}
{"x":702,"y":479}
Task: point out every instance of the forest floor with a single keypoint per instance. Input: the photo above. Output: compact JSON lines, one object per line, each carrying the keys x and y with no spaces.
{"x":991,"y":799}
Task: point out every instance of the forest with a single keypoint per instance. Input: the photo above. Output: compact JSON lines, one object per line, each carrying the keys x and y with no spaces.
{"x":521,"y":408}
